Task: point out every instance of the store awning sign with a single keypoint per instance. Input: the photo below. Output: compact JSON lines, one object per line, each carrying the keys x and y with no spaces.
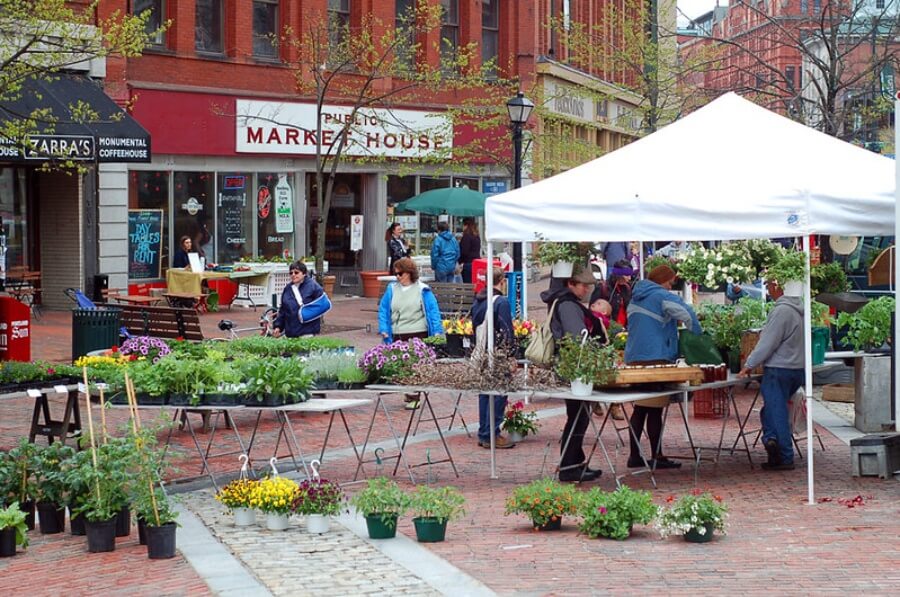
{"x":113,"y":136}
{"x":290,"y":128}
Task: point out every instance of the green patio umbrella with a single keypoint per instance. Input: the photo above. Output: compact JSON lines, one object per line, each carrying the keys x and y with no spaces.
{"x":454,"y":201}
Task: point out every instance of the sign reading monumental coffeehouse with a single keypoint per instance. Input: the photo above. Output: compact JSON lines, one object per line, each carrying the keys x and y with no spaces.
{"x":290,"y":128}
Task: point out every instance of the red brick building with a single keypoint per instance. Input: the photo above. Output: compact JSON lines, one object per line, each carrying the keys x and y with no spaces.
{"x":208,"y":181}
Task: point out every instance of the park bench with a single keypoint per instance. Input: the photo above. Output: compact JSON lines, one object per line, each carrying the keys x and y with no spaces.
{"x":454,"y":299}
{"x":161,"y":322}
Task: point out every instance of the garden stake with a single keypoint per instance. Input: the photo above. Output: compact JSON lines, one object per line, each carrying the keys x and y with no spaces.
{"x":87,"y":402}
{"x":544,"y":460}
{"x":139,"y":442}
{"x":101,"y":387}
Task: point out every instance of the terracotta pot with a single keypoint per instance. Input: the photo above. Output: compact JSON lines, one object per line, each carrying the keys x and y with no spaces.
{"x":371,"y":285}
{"x":328,"y":285}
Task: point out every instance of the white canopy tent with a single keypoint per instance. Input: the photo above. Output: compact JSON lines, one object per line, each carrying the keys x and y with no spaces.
{"x":731,"y":170}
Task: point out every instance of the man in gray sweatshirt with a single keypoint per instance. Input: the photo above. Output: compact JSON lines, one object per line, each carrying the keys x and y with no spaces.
{"x":781,"y":351}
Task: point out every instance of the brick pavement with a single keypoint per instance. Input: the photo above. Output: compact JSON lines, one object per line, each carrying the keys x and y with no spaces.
{"x":776,"y":541}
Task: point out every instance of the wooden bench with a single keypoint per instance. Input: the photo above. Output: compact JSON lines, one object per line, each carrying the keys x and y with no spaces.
{"x":454,"y":299}
{"x":161,"y":322}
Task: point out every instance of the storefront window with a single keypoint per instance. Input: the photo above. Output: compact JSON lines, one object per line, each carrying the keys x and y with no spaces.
{"x":13,"y":211}
{"x":275,"y":214}
{"x":473,"y":184}
{"x":234,"y":217}
{"x":428,"y":223}
{"x":346,"y":200}
{"x":193,"y":204}
{"x":401,"y":188}
{"x":150,"y":191}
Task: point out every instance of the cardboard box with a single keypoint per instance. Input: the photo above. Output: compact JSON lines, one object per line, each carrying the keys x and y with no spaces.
{"x":838,"y":392}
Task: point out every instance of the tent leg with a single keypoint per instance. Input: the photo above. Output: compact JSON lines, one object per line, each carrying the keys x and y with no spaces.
{"x":807,"y":330}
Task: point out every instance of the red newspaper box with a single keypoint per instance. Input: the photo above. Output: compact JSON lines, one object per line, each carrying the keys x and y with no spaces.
{"x":478,"y":277}
{"x":15,"y":330}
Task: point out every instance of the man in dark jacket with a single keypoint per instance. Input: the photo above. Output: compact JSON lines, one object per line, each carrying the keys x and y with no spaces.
{"x":303,"y":303}
{"x":571,"y":317}
{"x":503,"y":336}
{"x":782,"y":352}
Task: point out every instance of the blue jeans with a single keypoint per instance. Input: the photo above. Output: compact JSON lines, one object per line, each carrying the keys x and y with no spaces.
{"x":443,"y":276}
{"x":484,"y":416}
{"x":778,"y":385}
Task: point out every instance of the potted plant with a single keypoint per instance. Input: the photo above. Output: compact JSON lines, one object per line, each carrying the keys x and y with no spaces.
{"x":146,"y":348}
{"x":237,"y":497}
{"x":77,"y":488}
{"x":585,"y":362}
{"x":869,"y":327}
{"x":318,"y":500}
{"x":789,"y":272}
{"x":561,"y":257}
{"x":325,"y":367}
{"x":518,"y":423}
{"x":433,"y":507}
{"x":713,"y":268}
{"x":158,"y":519}
{"x":151,"y":382}
{"x":351,"y":377}
{"x":274,"y":496}
{"x":387,"y":362}
{"x":545,"y":502}
{"x":382,"y":502}
{"x":274,"y":381}
{"x":17,"y":478}
{"x":460,"y":336}
{"x":50,"y":478}
{"x":696,"y":516}
{"x":613,"y":514}
{"x":12,"y":530}
{"x":828,"y":278}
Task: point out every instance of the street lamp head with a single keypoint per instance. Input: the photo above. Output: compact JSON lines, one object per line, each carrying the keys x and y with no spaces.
{"x":519,"y":109}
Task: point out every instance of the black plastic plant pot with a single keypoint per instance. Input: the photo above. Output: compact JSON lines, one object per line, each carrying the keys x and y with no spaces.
{"x":179,"y":399}
{"x":378,"y":529}
{"x":52,"y":518}
{"x":142,"y":531}
{"x":28,"y":509}
{"x":101,"y":535}
{"x":430,"y":529}
{"x":552,"y":525}
{"x":149,"y":400}
{"x":161,"y":541}
{"x":123,"y":522}
{"x":7,"y":542}
{"x":454,"y":346}
{"x":76,"y":524}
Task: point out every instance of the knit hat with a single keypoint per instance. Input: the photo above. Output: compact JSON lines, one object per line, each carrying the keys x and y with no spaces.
{"x":662,"y":274}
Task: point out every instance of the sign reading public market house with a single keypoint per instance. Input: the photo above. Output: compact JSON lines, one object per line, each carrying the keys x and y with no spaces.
{"x":290,"y":128}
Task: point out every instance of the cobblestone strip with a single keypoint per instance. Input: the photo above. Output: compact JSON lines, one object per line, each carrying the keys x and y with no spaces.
{"x":293,"y":562}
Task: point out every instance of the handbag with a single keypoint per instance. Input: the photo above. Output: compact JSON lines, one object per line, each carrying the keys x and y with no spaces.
{"x":698,"y":349}
{"x":542,"y":345}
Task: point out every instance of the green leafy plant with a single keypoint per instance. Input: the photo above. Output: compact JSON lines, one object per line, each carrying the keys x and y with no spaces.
{"x":326,"y":365}
{"x":17,"y":482}
{"x":612,"y":514}
{"x":589,"y":361}
{"x":655,"y":261}
{"x":821,"y":315}
{"x":152,"y":379}
{"x":517,"y":420}
{"x":692,"y":511}
{"x":549,"y":253}
{"x":543,"y":501}
{"x":727,"y":264}
{"x":763,"y":253}
{"x":319,"y":496}
{"x":790,"y":267}
{"x":279,"y":377}
{"x":443,"y":503}
{"x":12,"y":517}
{"x":382,"y":497}
{"x":110,"y":482}
{"x":870,"y":326}
{"x":50,"y":468}
{"x":36,"y":371}
{"x":352,"y":374}
{"x":721,"y":323}
{"x":828,"y":277}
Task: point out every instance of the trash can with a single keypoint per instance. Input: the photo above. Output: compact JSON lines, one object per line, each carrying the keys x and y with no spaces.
{"x":94,"y":329}
{"x":101,"y":283}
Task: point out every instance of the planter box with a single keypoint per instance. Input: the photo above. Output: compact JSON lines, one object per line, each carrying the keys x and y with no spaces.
{"x":221,"y":399}
{"x":838,"y":392}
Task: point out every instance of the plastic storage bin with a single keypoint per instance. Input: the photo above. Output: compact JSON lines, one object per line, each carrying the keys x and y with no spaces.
{"x":820,"y":337}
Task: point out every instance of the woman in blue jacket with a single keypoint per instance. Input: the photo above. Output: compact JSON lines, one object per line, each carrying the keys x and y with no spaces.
{"x":408,"y":308}
{"x":444,"y":254}
{"x":303,"y":303}
{"x":653,"y":316}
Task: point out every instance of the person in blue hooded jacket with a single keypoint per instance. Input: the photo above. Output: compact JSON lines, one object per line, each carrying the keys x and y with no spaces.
{"x":653,"y":316}
{"x":444,"y":254}
{"x":303,"y":303}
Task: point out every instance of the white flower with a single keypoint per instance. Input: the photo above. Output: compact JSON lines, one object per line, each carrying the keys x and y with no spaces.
{"x":730,"y":280}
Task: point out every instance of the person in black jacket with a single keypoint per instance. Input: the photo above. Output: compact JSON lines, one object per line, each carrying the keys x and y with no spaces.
{"x":397,"y":247}
{"x":503,"y":336}
{"x":571,"y":317}
{"x":303,"y":303}
{"x":469,"y":248}
{"x":180,"y":258}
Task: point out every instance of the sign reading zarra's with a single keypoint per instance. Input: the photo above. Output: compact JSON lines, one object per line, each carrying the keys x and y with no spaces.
{"x":290,"y":128}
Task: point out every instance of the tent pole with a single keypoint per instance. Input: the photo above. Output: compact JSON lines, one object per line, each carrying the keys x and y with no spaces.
{"x":489,"y":320}
{"x":807,"y":332}
{"x":896,"y":264}
{"x":640,"y":261}
{"x":524,"y":297}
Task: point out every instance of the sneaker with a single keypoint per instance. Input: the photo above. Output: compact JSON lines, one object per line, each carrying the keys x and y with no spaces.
{"x":780,"y":466}
{"x":773,"y":451}
{"x":412,"y":405}
{"x":500,"y":442}
{"x":577,"y":476}
{"x":664,"y":463}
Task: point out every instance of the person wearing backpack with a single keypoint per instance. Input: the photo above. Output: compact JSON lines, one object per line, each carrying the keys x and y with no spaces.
{"x":444,"y":254}
{"x":503,"y":336}
{"x":569,"y":316}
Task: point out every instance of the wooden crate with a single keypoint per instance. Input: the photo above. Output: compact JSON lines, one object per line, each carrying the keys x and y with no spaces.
{"x":650,"y":374}
{"x":838,"y":392}
{"x":749,"y":340}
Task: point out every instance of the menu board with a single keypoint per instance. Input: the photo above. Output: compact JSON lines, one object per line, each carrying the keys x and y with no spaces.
{"x":232,"y":214}
{"x":144,"y":243}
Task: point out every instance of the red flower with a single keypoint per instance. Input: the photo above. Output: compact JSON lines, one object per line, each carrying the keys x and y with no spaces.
{"x":670,"y":499}
{"x":179,"y":339}
{"x":114,"y":349}
{"x":50,"y":370}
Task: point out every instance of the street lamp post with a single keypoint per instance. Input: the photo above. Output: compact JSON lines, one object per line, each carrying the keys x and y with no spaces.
{"x":519,"y":109}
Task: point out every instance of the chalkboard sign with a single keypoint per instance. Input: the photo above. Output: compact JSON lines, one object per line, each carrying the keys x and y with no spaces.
{"x":144,"y":243}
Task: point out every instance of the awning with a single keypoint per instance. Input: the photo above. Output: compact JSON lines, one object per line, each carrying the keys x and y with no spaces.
{"x":113,"y":136}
